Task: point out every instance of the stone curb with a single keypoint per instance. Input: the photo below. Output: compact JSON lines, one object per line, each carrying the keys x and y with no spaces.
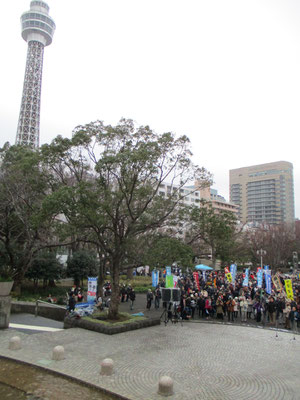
{"x":69,"y":377}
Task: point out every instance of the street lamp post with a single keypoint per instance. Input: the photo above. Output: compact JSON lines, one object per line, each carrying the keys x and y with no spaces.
{"x":261,"y":253}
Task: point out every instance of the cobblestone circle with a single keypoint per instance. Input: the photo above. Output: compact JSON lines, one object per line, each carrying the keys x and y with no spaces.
{"x":212,"y":362}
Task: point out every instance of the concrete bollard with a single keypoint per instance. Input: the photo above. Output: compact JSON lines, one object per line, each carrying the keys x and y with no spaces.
{"x":58,"y":353}
{"x":165,"y":386}
{"x":15,"y":343}
{"x":107,"y":367}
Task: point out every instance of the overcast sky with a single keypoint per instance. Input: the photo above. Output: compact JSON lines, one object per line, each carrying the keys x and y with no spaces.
{"x":225,"y":73}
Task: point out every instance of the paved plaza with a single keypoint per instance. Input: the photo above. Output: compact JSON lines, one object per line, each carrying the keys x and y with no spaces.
{"x":206,"y":361}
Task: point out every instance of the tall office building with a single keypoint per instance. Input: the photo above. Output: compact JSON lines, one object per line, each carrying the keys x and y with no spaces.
{"x":264,"y":193}
{"x":37,"y":30}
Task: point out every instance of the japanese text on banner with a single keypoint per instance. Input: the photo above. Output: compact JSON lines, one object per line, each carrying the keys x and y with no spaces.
{"x":289,"y":289}
{"x":92,"y":289}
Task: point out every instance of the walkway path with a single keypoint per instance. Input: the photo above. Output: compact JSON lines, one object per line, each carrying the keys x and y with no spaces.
{"x":206,"y":361}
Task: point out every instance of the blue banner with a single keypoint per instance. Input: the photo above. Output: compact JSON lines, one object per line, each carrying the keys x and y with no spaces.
{"x":155,"y":276}
{"x":259,"y":276}
{"x":266,"y":269}
{"x":268,"y":281}
{"x":233,"y":269}
{"x":168,"y":271}
{"x":246,"y":279}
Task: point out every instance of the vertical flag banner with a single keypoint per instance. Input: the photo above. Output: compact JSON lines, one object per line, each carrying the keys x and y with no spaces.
{"x":175,"y":280}
{"x":268,"y":279}
{"x":168,"y":271}
{"x":169,"y":281}
{"x":196,"y":277}
{"x":277,"y":283}
{"x":92,"y":289}
{"x":259,"y":276}
{"x":246,"y":279}
{"x":204,"y":276}
{"x":229,"y":277}
{"x":289,"y":289}
{"x":233,"y":269}
{"x":226,"y":270}
{"x":155,"y":277}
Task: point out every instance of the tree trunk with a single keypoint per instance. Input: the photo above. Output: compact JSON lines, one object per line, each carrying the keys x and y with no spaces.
{"x":51,"y":283}
{"x":101,"y":276}
{"x":114,"y":303}
{"x":129,"y":273}
{"x":213,"y":256}
{"x":18,"y":280}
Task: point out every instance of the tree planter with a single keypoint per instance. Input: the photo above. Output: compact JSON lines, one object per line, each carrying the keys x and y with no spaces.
{"x":5,"y":288}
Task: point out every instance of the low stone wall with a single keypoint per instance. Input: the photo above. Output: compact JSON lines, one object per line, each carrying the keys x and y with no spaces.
{"x":5,"y":310}
{"x":109,"y":330}
{"x":58,"y":314}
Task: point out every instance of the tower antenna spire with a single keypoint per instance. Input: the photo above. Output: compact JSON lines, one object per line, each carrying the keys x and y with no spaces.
{"x":37,"y":30}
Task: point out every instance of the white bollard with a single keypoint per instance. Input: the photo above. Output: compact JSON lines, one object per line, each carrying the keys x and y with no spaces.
{"x":107,"y":367}
{"x":15,"y":343}
{"x":165,"y":386}
{"x":58,"y":353}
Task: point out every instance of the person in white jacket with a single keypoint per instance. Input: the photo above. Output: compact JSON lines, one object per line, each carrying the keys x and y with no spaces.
{"x":244,"y":308}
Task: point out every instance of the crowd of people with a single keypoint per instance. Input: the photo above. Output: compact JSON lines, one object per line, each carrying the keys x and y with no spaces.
{"x":214,"y":297}
{"x":211,"y":296}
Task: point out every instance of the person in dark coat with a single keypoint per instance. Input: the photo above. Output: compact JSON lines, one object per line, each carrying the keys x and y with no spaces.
{"x":72,"y":303}
{"x":149,"y":299}
{"x":132,"y":298}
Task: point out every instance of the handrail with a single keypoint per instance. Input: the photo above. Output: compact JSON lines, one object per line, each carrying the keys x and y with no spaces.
{"x":45,"y":302}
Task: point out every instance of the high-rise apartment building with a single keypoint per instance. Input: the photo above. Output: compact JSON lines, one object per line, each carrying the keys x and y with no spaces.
{"x":264,"y":193}
{"x":37,"y":30}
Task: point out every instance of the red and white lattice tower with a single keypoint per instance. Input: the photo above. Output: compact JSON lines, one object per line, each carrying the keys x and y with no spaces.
{"x":37,"y":29}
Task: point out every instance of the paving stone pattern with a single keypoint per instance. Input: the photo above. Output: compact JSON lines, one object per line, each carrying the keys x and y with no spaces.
{"x":206,"y":361}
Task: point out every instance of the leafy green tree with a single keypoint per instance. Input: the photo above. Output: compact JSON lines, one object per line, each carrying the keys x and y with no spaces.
{"x":46,"y":267}
{"x":25,"y":227}
{"x":216,"y":228}
{"x":108,"y":183}
{"x":23,"y":187}
{"x":166,"y":250}
{"x":82,"y":264}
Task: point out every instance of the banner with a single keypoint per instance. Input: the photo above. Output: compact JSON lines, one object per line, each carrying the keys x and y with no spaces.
{"x":168,"y":271}
{"x":226,"y":270}
{"x":204,"y":275}
{"x":169,"y":281}
{"x":229,"y":277}
{"x":277,"y":283}
{"x":175,"y":280}
{"x":92,"y":289}
{"x":246,"y":278}
{"x":196,"y":277}
{"x":259,"y":277}
{"x":289,"y":289}
{"x":155,"y":277}
{"x":233,"y":269}
{"x":268,"y":279}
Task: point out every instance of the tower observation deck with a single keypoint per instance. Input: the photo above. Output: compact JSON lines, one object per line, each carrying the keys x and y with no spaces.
{"x":37,"y":30}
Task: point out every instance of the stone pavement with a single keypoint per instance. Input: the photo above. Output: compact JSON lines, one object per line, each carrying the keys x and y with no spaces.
{"x":206,"y":361}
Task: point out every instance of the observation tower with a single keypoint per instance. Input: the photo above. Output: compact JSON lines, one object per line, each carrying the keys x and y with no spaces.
{"x":37,"y":30}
